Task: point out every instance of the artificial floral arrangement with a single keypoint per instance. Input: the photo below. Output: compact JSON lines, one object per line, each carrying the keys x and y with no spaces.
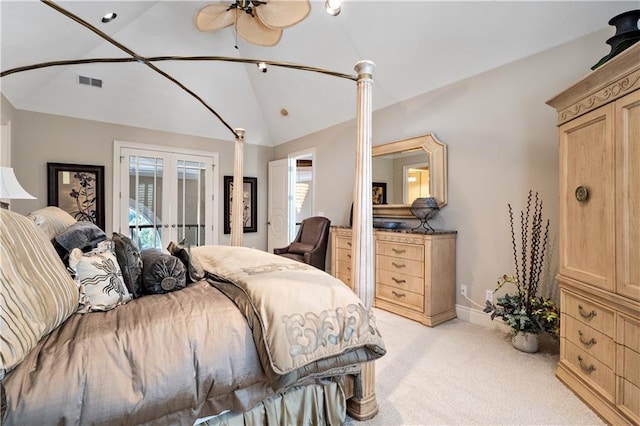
{"x":526,"y":311}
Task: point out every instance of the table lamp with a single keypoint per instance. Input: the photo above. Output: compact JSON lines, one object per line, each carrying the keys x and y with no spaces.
{"x":10,"y":188}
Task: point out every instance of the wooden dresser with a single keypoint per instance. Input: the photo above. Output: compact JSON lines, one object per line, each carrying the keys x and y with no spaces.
{"x":599,"y":237}
{"x":414,"y":272}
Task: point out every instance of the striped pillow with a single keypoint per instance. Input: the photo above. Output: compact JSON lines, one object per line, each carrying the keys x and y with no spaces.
{"x":52,"y":220}
{"x":36,"y":292}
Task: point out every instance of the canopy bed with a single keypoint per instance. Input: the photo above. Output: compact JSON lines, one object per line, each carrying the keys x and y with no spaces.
{"x":158,"y":359}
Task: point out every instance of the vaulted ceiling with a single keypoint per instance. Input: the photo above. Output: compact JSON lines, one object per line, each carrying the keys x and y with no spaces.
{"x":417,"y":46}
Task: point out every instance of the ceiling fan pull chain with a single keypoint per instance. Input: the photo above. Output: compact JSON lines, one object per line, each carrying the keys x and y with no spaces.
{"x":235,"y":30}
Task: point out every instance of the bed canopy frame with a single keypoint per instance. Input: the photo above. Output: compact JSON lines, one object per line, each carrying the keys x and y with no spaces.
{"x":363,"y":405}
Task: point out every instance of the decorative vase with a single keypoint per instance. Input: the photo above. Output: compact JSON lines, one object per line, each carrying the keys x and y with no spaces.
{"x":627,"y":34}
{"x":525,"y":342}
{"x":424,"y":209}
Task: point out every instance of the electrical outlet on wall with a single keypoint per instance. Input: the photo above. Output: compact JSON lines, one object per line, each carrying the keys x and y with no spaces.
{"x":489,"y":295}
{"x":463,"y":290}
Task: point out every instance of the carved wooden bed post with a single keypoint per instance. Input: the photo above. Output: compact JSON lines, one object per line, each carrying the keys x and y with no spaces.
{"x":236,"y":195}
{"x":363,"y":405}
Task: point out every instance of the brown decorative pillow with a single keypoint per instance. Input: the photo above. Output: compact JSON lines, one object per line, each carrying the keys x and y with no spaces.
{"x":300,"y":248}
{"x":195,"y":271}
{"x":130,"y":262}
{"x":161,"y":272}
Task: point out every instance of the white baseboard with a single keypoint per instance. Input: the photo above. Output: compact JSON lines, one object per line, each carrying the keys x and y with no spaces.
{"x":476,"y":316}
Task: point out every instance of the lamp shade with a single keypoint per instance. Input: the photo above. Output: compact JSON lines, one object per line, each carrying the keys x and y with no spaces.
{"x":10,"y":188}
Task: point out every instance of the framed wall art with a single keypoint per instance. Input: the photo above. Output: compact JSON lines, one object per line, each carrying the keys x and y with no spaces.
{"x":379,"y":194}
{"x":77,"y":189}
{"x":249,"y":203}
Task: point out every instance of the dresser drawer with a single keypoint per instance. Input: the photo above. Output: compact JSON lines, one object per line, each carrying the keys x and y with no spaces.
{"x":400,"y":297}
{"x":343,"y":268}
{"x":401,"y":250}
{"x":630,"y":399}
{"x":592,"y":370}
{"x":589,"y":312}
{"x":343,"y":243}
{"x":629,"y":333}
{"x":401,"y":281}
{"x":630,"y":365}
{"x":404,"y":266}
{"x":593,"y":342}
{"x":343,"y":255}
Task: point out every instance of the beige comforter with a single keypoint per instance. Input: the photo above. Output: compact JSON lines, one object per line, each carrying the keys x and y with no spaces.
{"x":305,"y":322}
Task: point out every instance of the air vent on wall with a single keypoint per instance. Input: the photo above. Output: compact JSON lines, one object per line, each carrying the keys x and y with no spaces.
{"x":88,"y":81}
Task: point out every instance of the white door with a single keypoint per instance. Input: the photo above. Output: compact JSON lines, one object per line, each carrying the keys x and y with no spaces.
{"x":165,"y":197}
{"x":278,"y":211}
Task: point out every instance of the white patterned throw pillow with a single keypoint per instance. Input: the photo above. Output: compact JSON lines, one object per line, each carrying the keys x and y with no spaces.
{"x":99,"y":277}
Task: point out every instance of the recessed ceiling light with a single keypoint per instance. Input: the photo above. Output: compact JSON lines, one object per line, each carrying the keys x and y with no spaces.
{"x":109,"y":17}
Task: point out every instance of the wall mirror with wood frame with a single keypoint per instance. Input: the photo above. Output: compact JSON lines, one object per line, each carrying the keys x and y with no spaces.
{"x":408,"y":169}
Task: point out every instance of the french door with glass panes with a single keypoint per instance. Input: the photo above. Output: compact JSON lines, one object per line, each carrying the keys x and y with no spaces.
{"x":166,"y":197}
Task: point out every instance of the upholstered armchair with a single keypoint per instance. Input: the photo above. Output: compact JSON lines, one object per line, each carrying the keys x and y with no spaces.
{"x":310,"y":245}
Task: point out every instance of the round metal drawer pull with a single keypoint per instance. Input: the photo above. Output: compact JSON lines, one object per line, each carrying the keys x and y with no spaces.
{"x":587,"y":369}
{"x":585,"y":342}
{"x":397,"y":281}
{"x":398,"y":265}
{"x":584,"y":313}
{"x":398,"y":295}
{"x":582,"y":193}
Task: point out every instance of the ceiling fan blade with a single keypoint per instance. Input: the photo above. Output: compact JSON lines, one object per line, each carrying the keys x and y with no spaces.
{"x":215,"y":17}
{"x":253,"y":31}
{"x":283,"y":13}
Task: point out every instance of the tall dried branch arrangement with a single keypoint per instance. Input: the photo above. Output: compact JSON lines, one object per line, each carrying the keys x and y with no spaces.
{"x":533,"y":244}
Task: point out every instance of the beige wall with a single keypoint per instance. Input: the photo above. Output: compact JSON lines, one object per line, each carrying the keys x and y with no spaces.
{"x":502,"y":142}
{"x":40,"y":138}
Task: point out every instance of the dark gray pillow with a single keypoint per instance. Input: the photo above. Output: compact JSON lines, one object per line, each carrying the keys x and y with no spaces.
{"x":82,"y":235}
{"x":161,"y":272}
{"x":195,"y":272}
{"x":130,"y":262}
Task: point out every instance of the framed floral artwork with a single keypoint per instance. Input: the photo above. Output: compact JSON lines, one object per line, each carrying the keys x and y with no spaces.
{"x":77,"y":189}
{"x":249,"y":203}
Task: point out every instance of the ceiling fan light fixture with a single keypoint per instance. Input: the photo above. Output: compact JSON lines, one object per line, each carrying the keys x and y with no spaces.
{"x":259,"y":22}
{"x":109,"y":17}
{"x":333,"y":7}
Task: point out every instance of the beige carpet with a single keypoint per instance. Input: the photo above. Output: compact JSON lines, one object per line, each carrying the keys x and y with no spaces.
{"x":460,"y":373}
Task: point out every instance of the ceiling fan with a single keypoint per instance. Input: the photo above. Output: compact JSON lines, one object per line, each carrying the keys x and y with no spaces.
{"x":256,"y":21}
